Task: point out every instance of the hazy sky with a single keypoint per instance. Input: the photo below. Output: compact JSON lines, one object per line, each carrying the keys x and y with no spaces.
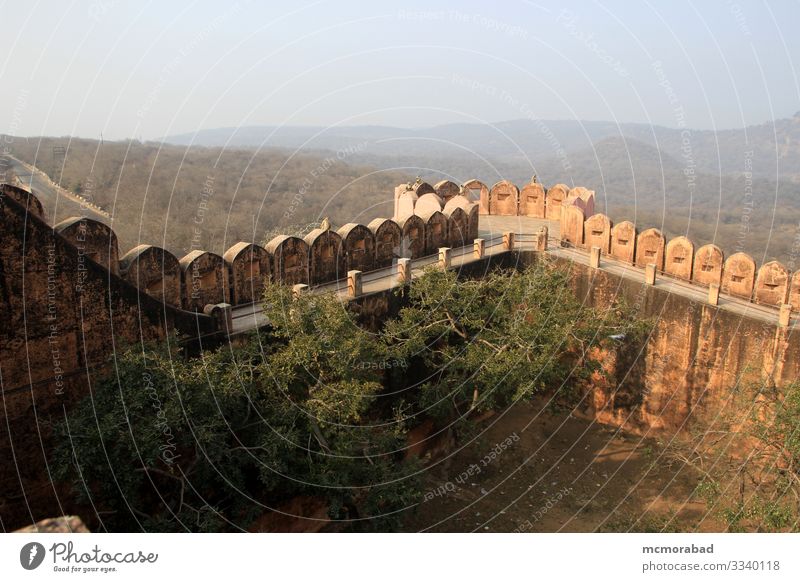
{"x":148,"y":69}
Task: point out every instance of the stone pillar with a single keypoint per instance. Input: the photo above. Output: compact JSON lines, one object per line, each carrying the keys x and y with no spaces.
{"x":299,"y":289}
{"x":650,"y":274}
{"x":404,"y":271}
{"x":713,"y":294}
{"x":541,"y":241}
{"x":444,"y":257}
{"x":222,"y":313}
{"x":785,"y":315}
{"x":479,"y":248}
{"x":354,"y":283}
{"x":508,"y":241}
{"x":594,"y":258}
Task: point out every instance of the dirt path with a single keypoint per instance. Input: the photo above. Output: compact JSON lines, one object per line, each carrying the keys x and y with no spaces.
{"x":558,"y":473}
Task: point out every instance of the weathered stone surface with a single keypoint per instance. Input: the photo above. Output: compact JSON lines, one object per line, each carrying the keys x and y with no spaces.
{"x":61,"y":525}
{"x":478,"y":191}
{"x":597,"y":233}
{"x":472,"y":212}
{"x":457,"y":227}
{"x":24,"y":198}
{"x":421,"y":188}
{"x":581,"y":197}
{"x":447,"y":190}
{"x":436,"y":234}
{"x":326,"y":260}
{"x":772,"y":284}
{"x":531,"y":200}
{"x":413,"y":240}
{"x":428,"y":203}
{"x":794,"y":292}
{"x":93,"y":239}
{"x":554,"y":200}
{"x":572,"y":225}
{"x":708,"y":261}
{"x":289,"y":259}
{"x":204,"y":280}
{"x":249,"y":269}
{"x":679,"y":258}
{"x":739,"y":275}
{"x":154,"y":271}
{"x":503,"y":199}
{"x":359,"y":247}
{"x":650,"y":249}
{"x":623,"y":241}
{"x":388,"y":237}
{"x":404,"y":200}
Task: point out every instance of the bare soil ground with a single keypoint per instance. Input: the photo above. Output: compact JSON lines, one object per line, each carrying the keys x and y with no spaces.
{"x":558,"y":473}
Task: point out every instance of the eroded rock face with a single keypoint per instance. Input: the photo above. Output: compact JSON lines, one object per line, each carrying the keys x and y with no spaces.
{"x":679,"y":258}
{"x":62,"y":525}
{"x":289,"y":259}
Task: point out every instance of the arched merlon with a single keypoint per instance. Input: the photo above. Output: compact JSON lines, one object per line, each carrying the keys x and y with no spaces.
{"x":650,"y":249}
{"x":447,"y":190}
{"x":24,"y":198}
{"x":739,"y":276}
{"x":326,"y":260}
{"x":554,"y":200}
{"x":477,"y":191}
{"x":623,"y":241}
{"x":457,"y":227}
{"x":503,"y":199}
{"x":249,"y":269}
{"x":436,"y":235}
{"x":203,"y":280}
{"x":794,"y":291}
{"x":405,"y":199}
{"x":532,"y":200}
{"x":154,"y":271}
{"x":412,"y":244}
{"x":708,"y":262}
{"x":421,"y":188}
{"x":472,"y":211}
{"x":289,"y":260}
{"x":772,"y":284}
{"x":359,"y":247}
{"x":597,"y":233}
{"x":572,"y":219}
{"x":93,"y":240}
{"x":388,"y":237}
{"x":679,"y":258}
{"x":428,"y":203}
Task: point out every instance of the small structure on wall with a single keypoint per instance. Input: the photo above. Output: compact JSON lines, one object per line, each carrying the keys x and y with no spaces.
{"x":289,"y":260}
{"x":679,"y":258}
{"x":154,"y":271}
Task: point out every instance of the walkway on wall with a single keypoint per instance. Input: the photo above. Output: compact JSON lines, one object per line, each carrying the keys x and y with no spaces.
{"x":248,"y":317}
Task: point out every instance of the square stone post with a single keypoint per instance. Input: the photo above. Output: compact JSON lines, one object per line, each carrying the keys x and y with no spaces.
{"x":508,"y":241}
{"x":479,"y":248}
{"x":354,"y":286}
{"x":713,"y":294}
{"x":541,"y":240}
{"x":650,"y":274}
{"x":404,"y":271}
{"x":594,"y":257}
{"x":444,"y":257}
{"x":222,"y":314}
{"x":785,"y":315}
